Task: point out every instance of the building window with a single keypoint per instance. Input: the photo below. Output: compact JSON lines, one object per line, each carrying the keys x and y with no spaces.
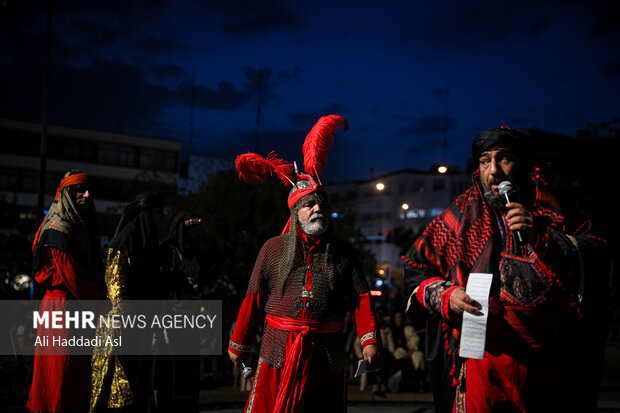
{"x":117,"y":155}
{"x":436,"y":211}
{"x":73,"y":149}
{"x":459,"y":187}
{"x":439,"y":184}
{"x":20,"y":143}
{"x":158,"y":159}
{"x":413,"y":213}
{"x":417,"y":185}
{"x":30,"y":181}
{"x":9,"y":179}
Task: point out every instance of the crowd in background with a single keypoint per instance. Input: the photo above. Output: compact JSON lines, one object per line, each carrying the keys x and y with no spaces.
{"x":403,"y":368}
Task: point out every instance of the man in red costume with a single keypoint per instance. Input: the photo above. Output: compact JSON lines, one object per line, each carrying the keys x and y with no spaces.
{"x":67,"y":260}
{"x":303,"y":283}
{"x":527,"y":364}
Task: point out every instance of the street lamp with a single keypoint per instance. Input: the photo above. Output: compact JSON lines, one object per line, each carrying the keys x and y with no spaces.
{"x":380,"y":186}
{"x":442,"y":169}
{"x":405,"y":206}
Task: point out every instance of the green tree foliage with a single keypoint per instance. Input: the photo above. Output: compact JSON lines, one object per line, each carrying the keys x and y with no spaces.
{"x":237,"y":219}
{"x":344,"y":228}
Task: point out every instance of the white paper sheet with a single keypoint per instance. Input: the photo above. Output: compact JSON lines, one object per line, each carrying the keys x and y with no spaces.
{"x":363,"y":367}
{"x":473,"y":332}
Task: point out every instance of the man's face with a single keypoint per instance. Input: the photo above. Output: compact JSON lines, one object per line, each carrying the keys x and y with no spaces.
{"x":497,"y":166}
{"x":82,"y":196}
{"x":313,"y":215}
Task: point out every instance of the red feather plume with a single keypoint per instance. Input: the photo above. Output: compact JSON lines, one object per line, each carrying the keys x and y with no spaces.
{"x":254,"y":169}
{"x":319,"y":140}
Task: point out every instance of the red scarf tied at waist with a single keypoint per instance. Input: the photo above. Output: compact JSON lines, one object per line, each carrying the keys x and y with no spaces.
{"x":297,"y":366}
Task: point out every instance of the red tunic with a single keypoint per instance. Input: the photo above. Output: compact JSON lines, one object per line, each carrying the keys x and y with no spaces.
{"x":61,"y":383}
{"x":531,"y":309}
{"x":307,"y":298}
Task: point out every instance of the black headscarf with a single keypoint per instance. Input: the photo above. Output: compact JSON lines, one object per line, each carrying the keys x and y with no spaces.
{"x":503,"y":137}
{"x":181,"y":261}
{"x":138,"y":238}
{"x":136,"y":231}
{"x":179,"y":228}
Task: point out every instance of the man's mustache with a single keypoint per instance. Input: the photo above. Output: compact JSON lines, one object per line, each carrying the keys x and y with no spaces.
{"x":316,"y":216}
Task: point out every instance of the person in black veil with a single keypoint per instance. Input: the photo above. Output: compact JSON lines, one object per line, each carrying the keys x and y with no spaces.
{"x":132,"y":273}
{"x":137,"y":237}
{"x":184,"y":272}
{"x":182,"y":265}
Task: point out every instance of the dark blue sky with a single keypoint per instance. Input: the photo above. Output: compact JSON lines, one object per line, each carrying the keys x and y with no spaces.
{"x":406,"y":74}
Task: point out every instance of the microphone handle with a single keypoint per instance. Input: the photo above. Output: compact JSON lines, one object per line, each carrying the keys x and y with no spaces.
{"x":518,"y":233}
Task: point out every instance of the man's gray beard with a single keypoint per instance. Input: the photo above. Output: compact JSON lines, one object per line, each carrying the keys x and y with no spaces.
{"x":315,"y":227}
{"x":493,"y":201}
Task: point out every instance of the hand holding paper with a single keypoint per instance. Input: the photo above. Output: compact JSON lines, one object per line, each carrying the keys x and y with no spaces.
{"x":363,"y":367}
{"x":460,"y":302}
{"x":473,"y":333}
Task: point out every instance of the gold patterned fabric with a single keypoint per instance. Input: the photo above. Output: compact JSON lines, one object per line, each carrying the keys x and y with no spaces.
{"x":110,"y":386}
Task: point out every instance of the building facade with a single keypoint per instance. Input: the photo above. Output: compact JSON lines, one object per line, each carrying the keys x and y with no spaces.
{"x":388,"y":206}
{"x":120,"y":166}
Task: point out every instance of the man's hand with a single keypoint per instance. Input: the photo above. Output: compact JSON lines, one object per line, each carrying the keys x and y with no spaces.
{"x":461,"y":302}
{"x":519,"y":218}
{"x":371,"y":353}
{"x":235,"y":358}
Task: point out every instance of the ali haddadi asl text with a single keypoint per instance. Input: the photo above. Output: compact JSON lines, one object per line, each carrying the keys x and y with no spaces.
{"x":81,"y":341}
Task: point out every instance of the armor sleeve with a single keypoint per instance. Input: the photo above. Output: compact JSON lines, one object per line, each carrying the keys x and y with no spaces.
{"x":252,"y":311}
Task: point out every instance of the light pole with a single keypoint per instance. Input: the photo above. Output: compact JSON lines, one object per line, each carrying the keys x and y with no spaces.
{"x":45,"y":111}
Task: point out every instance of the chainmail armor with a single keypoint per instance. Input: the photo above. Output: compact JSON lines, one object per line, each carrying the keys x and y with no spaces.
{"x":336,"y":274}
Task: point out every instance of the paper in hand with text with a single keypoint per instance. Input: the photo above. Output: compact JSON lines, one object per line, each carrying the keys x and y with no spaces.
{"x":473,"y":332}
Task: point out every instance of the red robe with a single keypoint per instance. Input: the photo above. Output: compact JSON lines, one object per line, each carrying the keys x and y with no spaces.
{"x":527,"y":362}
{"x":61,"y":383}
{"x":308,"y":297}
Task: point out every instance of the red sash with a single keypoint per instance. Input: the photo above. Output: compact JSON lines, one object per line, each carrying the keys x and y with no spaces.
{"x":297,"y":365}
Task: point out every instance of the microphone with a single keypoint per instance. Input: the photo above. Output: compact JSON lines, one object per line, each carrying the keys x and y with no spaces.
{"x":247,"y":370}
{"x":505,"y":188}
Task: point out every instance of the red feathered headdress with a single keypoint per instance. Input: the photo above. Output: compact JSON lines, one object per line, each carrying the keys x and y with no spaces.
{"x":254,"y":169}
{"x":319,"y":140}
